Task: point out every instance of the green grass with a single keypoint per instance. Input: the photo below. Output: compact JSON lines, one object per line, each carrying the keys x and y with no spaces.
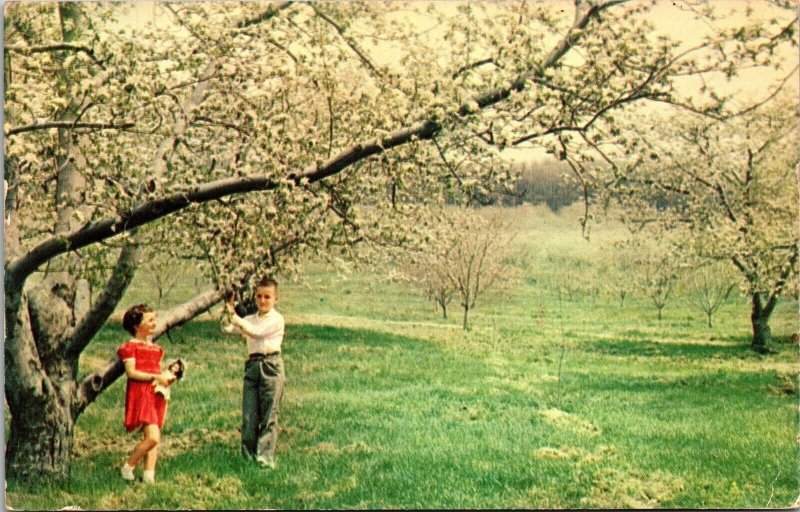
{"x":545,"y":403}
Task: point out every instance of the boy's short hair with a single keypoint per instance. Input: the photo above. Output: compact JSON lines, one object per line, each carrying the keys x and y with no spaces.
{"x":266,"y":282}
{"x":133,"y":317}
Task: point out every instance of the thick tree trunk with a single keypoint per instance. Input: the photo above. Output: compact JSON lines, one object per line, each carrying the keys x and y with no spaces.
{"x":466,"y":315}
{"x":759,"y":318}
{"x":41,"y":376}
{"x":39,"y":445}
{"x":761,"y":333}
{"x":40,"y":384}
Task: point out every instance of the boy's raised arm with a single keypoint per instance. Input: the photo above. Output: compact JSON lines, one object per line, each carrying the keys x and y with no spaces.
{"x":265,"y":329}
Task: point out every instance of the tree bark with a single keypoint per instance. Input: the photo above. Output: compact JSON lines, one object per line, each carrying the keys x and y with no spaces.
{"x":466,"y":315}
{"x":40,"y":437}
{"x":759,"y":317}
{"x":39,"y":387}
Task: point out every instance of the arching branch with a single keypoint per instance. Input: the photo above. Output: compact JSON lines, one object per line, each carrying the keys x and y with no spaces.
{"x":20,"y":268}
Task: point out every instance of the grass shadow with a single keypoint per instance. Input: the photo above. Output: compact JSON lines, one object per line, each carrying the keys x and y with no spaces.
{"x":736,"y":349}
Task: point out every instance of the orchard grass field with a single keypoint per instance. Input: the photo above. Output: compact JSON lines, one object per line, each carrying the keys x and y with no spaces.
{"x":550,"y":400}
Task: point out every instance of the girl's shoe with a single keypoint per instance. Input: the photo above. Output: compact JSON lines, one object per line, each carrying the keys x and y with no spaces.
{"x":127,"y":473}
{"x":266,"y":462}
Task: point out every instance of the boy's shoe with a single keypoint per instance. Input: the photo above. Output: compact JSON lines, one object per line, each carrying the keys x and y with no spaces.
{"x":266,"y":463}
{"x":127,"y":473}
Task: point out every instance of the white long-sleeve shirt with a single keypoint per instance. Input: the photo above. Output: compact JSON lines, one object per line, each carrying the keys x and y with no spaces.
{"x":264,"y":334}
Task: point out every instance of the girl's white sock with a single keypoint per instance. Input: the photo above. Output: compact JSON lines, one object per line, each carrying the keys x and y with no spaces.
{"x":149,"y":476}
{"x":127,"y":471}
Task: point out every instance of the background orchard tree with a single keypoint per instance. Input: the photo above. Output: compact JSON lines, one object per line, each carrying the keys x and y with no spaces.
{"x":708,"y":287}
{"x":466,"y":256}
{"x":164,"y":278}
{"x":242,"y":135}
{"x":425,"y":269}
{"x":618,"y":270}
{"x":659,"y":270}
{"x":731,"y":192}
{"x":642,"y":265}
{"x":572,"y":277}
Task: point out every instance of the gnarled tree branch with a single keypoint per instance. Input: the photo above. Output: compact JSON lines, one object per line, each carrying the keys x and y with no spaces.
{"x":115,"y":287}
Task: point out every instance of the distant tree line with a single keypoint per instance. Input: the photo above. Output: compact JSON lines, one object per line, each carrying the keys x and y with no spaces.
{"x":552,"y":182}
{"x":545,"y":182}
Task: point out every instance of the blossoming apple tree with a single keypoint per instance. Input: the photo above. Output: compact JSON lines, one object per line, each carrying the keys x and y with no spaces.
{"x":242,"y":134}
{"x":732,"y":197}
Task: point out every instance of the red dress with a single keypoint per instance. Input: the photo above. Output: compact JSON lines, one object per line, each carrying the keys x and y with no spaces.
{"x":142,"y":405}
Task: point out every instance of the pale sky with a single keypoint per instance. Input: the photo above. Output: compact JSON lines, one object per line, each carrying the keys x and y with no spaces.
{"x":670,"y":17}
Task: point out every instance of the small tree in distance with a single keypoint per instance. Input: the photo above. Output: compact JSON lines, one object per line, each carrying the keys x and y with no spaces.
{"x":657,"y":275}
{"x":477,"y":262}
{"x":617,"y":271}
{"x":441,"y":291}
{"x":427,"y":270}
{"x":708,"y":287}
{"x":466,"y":258}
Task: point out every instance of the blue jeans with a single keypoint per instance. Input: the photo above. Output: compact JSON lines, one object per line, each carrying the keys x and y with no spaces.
{"x":264,"y":380}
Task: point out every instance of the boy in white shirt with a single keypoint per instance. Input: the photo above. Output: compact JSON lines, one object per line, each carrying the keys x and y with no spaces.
{"x":264,"y":376}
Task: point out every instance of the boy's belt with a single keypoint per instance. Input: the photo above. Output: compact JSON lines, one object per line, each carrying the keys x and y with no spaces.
{"x":261,"y":355}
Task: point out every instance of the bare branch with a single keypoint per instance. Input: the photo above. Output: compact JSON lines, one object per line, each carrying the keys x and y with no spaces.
{"x":268,"y":13}
{"x":786,"y":272}
{"x":68,"y":125}
{"x":772,"y":95}
{"x":53,"y":47}
{"x":284,"y":49}
{"x":347,"y":39}
{"x":471,"y":66}
{"x":182,"y":313}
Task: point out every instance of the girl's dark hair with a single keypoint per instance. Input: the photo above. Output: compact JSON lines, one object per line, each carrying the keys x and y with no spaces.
{"x":267,"y":281}
{"x":181,"y":368}
{"x":133,"y":317}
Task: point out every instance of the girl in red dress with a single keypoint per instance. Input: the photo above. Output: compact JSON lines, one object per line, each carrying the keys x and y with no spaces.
{"x":144,"y":408}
